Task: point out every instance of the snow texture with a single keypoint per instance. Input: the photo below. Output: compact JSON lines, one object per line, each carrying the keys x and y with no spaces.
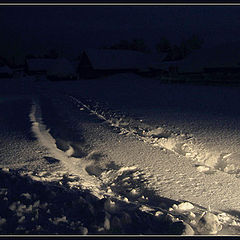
{"x":72,"y":164}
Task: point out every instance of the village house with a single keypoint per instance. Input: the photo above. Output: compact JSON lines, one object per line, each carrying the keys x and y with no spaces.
{"x":221,"y":63}
{"x":54,"y":69}
{"x":102,"y":62}
{"x":224,"y":58}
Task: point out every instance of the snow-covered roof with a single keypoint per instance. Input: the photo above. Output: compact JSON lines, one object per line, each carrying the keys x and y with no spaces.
{"x":121,"y":59}
{"x":61,"y":67}
{"x":6,"y":69}
{"x":39,"y":64}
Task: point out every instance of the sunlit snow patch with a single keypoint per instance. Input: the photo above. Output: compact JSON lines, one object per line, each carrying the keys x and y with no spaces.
{"x":70,"y":151}
{"x":178,"y":143}
{"x":183,"y":207}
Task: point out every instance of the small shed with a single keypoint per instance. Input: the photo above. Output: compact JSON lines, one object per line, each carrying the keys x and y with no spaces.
{"x":5,"y":72}
{"x":101,"y":62}
{"x":61,"y":69}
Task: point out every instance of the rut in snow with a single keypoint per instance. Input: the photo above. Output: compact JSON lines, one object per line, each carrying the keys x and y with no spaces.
{"x":70,"y":163}
{"x":127,"y":184}
{"x":206,"y":160}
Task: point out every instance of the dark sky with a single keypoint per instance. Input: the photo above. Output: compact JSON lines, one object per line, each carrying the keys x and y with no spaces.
{"x":72,"y":28}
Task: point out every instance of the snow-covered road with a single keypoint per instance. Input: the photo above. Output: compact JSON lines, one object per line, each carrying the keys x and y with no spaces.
{"x":152,"y":144}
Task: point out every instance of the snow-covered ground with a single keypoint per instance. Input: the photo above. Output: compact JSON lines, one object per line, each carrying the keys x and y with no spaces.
{"x":147,"y":157}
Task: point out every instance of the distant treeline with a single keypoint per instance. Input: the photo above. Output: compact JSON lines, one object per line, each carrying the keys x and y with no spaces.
{"x":173,"y":51}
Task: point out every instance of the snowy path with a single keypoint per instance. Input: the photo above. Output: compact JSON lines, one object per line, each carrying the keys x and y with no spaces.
{"x":150,"y":169}
{"x":71,"y":164}
{"x":18,"y":147}
{"x":170,"y":174}
{"x":113,"y":154}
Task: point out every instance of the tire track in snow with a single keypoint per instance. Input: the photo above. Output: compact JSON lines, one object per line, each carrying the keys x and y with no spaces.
{"x":74,"y":165}
{"x":186,"y":145}
{"x":157,"y":137}
{"x":110,"y":179}
{"x":123,"y":183}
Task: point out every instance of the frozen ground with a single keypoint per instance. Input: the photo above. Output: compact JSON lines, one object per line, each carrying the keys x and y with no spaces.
{"x":148,"y":157}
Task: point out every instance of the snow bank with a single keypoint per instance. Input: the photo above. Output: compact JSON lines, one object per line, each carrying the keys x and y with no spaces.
{"x":183,"y":207}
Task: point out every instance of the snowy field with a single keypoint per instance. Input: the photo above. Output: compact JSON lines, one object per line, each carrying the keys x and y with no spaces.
{"x":118,"y":155}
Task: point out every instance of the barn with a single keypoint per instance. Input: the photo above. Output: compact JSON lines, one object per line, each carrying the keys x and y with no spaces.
{"x":102,"y":62}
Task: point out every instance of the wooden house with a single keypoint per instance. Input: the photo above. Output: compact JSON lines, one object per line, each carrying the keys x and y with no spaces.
{"x":224,"y":58}
{"x":54,"y":69}
{"x":216,"y":64}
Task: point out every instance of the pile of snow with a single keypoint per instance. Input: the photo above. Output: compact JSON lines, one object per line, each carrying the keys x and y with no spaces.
{"x":203,"y":223}
{"x":209,"y":223}
{"x":183,"y":207}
